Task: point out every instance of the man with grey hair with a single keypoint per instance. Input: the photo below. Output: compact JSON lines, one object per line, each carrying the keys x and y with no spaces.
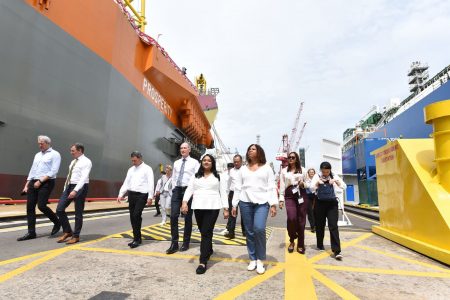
{"x":139,"y":185}
{"x":183,"y":170}
{"x":39,"y":185}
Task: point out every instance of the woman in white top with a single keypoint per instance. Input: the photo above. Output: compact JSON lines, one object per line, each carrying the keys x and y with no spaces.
{"x":326,"y":207}
{"x":165,"y":193}
{"x":209,"y":196}
{"x":293,"y":193}
{"x":255,"y":193}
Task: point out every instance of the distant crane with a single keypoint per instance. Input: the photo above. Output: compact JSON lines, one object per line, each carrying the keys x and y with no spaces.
{"x":287,"y":143}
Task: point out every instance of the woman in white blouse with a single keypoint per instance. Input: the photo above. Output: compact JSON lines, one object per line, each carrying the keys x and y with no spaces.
{"x":255,"y":193}
{"x":209,"y":196}
{"x":166,"y":194}
{"x":293,"y":193}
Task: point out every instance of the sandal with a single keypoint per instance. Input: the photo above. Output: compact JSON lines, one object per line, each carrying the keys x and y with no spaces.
{"x":291,"y":247}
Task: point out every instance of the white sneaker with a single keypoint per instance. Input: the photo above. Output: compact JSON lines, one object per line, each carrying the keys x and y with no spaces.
{"x":162,"y":224}
{"x":338,"y":256}
{"x":260,"y":267}
{"x":252,"y":265}
{"x":224,"y":232}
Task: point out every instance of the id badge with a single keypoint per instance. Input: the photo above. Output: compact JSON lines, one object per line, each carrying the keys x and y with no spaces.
{"x":295,"y":190}
{"x":300,"y":200}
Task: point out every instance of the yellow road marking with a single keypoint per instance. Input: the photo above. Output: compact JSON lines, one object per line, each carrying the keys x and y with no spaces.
{"x":32,"y":264}
{"x":17,"y":259}
{"x":413,"y":261}
{"x":362,"y":218}
{"x":249,"y":284}
{"x":382,"y":271}
{"x":332,"y":285}
{"x":297,"y":276}
{"x":343,"y":246}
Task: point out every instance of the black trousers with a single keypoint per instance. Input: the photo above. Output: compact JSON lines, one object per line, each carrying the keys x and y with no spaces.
{"x":312,"y":199}
{"x":158,"y":211}
{"x":136,"y":204}
{"x":231,"y":223}
{"x":64,"y":202}
{"x":175,"y":202}
{"x":206,"y":219}
{"x":40,"y":197}
{"x":327,"y":210}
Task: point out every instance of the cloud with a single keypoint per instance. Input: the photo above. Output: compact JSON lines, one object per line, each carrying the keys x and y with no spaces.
{"x":339,"y":57}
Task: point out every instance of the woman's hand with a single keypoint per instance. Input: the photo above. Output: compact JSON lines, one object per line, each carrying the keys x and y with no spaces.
{"x":149,"y":201}
{"x":184,"y":208}
{"x":226,"y":213}
{"x":281,"y":204}
{"x":234,"y":212}
{"x":273,"y":211}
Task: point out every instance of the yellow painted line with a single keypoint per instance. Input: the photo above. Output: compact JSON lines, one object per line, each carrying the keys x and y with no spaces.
{"x":332,"y":285}
{"x":343,"y":246}
{"x":17,"y":259}
{"x":32,"y":264}
{"x":382,"y":271}
{"x":362,"y":218}
{"x":298,"y":280}
{"x":249,"y":284}
{"x":409,"y":260}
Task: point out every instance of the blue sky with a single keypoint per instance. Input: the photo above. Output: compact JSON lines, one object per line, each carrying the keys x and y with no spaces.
{"x":339,"y":57}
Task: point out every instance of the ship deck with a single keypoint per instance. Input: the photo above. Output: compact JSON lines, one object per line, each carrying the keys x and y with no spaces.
{"x":102,"y":266}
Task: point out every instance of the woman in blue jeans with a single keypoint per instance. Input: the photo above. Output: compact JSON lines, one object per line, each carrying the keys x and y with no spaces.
{"x":255,"y":193}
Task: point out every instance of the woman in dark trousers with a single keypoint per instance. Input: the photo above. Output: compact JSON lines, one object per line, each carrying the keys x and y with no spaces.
{"x":326,"y":207}
{"x":209,"y":196}
{"x":293,"y":193}
{"x":311,"y":199}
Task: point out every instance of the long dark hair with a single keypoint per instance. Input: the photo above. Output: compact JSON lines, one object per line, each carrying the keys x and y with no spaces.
{"x":298,"y":167}
{"x":201,"y":171}
{"x":327,"y":166}
{"x":260,"y":154}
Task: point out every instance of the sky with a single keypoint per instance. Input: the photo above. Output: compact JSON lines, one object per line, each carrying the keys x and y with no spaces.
{"x":339,"y":57}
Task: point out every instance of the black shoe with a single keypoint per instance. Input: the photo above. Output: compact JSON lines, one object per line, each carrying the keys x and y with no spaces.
{"x":55,"y":229}
{"x":313,"y":229}
{"x":185,"y":247}
{"x":201,"y":269}
{"x":157,"y":214}
{"x":173,"y":248}
{"x":321,"y":248}
{"x":229,"y":235}
{"x":134,"y":244}
{"x":135,"y":241}
{"x":28,"y":236}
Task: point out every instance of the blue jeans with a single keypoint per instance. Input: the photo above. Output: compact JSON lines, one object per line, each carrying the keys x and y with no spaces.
{"x":255,"y":218}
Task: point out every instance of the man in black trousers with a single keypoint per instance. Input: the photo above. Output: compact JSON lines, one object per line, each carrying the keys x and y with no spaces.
{"x":183,"y":170}
{"x":139,"y":185}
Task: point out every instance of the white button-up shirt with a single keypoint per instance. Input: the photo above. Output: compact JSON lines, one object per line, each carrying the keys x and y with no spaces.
{"x":289,"y":178}
{"x":45,"y":164}
{"x":232,"y":179}
{"x":139,"y":179}
{"x":207,"y":192}
{"x":255,"y":186}
{"x":191,"y":167}
{"x":80,"y":172}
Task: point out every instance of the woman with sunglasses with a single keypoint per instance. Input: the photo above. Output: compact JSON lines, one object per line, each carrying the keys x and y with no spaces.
{"x":256,"y":195}
{"x":209,"y":196}
{"x":292,"y":193}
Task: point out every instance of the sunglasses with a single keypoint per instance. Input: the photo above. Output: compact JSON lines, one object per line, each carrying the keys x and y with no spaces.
{"x":291,"y":157}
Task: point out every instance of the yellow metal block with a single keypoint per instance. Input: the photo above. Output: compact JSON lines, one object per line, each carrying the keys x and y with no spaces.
{"x":414,"y":202}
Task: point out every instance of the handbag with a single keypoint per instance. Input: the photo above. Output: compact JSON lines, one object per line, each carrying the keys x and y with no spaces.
{"x":325,"y":192}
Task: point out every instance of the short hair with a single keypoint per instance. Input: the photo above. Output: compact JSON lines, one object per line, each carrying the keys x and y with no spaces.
{"x":136,"y":154}
{"x":237,"y":156}
{"x":260,"y":154}
{"x":78,"y":146}
{"x":187,"y":144}
{"x":45,"y":139}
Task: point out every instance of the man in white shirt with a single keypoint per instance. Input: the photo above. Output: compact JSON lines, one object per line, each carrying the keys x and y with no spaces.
{"x":231,"y":224}
{"x":139,"y":184}
{"x":183,"y":170}
{"x":75,"y":188}
{"x":39,"y":186}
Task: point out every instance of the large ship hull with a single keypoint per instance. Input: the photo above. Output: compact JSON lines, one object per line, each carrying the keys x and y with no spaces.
{"x":53,"y":84}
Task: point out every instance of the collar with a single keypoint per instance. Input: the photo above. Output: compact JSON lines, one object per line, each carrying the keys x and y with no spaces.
{"x":47,"y":151}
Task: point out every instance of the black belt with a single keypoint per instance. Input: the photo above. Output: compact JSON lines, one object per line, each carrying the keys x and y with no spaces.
{"x":138,"y":193}
{"x":181,"y":187}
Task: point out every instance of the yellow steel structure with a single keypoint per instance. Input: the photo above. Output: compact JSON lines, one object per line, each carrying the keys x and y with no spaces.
{"x":413,"y":178}
{"x":139,"y":16}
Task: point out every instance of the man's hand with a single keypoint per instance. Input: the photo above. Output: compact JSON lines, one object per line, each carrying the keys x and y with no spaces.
{"x":72,"y":195}
{"x":149,"y":202}
{"x":25,"y":190}
{"x":119,"y":200}
{"x":234,"y":212}
{"x":226,"y":214}
{"x":273,"y":211}
{"x":281,"y":204}
{"x":37,"y":184}
{"x":184,"y":208}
